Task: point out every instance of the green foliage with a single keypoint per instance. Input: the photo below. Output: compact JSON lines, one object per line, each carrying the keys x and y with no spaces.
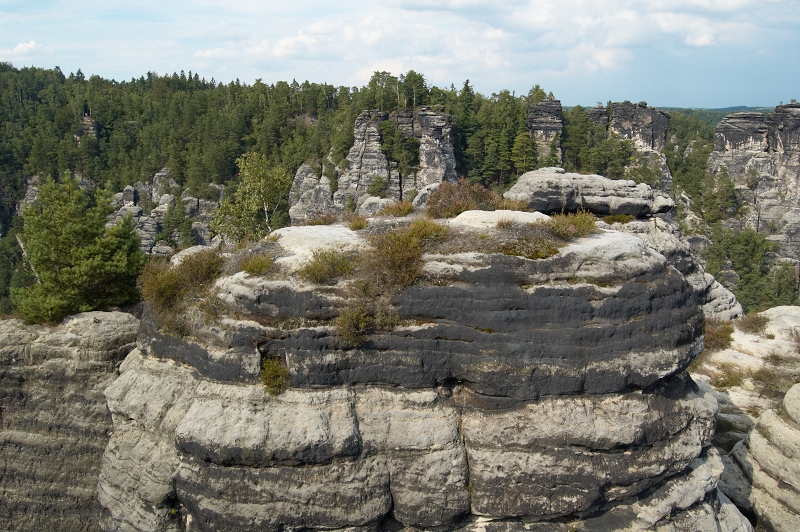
{"x":588,"y":148}
{"x":327,"y":266}
{"x":80,"y":264}
{"x":259,"y":264}
{"x":274,"y":376}
{"x":14,"y":272}
{"x":572,"y":225}
{"x":398,"y":149}
{"x":171,"y":290}
{"x":689,"y":144}
{"x":175,"y":219}
{"x":618,"y":218}
{"x":378,"y":187}
{"x":761,"y":286}
{"x":261,"y":192}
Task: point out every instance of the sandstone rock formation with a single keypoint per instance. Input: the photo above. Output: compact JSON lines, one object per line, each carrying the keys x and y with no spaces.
{"x":751,"y":375}
{"x":762,"y":156}
{"x":762,"y":473}
{"x":514,"y":394}
{"x":645,"y":126}
{"x":54,"y":422}
{"x":545,"y":122}
{"x":312,"y":195}
{"x":554,"y":190}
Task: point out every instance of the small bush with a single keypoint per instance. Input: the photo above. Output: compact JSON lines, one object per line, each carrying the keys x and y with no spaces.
{"x":357,"y":222}
{"x":274,"y":376}
{"x":378,"y":187}
{"x":397,"y":258}
{"x":573,"y":225}
{"x":752,"y":323}
{"x":504,"y":223}
{"x":428,"y":231}
{"x":618,"y":218}
{"x":506,"y":204}
{"x":451,"y":199}
{"x":718,"y":334}
{"x":171,"y":290}
{"x":411,"y":196}
{"x":354,"y":322}
{"x":728,"y":376}
{"x":256,"y":264}
{"x":398,"y":209}
{"x":322,"y":219}
{"x":327,"y":266}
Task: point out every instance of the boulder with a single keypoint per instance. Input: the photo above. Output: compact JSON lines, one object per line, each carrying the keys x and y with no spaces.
{"x":550,"y":190}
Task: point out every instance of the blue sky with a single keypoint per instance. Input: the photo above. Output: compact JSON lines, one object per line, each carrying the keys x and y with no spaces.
{"x":679,"y":53}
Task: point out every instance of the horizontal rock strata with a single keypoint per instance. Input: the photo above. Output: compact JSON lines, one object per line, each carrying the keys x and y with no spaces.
{"x":514,"y":394}
{"x":54,"y":423}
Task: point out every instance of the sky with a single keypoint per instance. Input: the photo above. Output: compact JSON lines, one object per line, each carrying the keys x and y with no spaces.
{"x":669,"y":53}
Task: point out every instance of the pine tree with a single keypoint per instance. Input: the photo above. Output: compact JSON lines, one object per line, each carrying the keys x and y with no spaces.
{"x":80,"y":264}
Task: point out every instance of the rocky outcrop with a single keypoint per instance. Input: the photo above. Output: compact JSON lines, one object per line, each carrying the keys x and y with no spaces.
{"x":761,"y":155}
{"x":54,"y":423}
{"x":554,"y":190}
{"x":545,"y":122}
{"x":133,"y":200}
{"x":762,"y":474}
{"x":513,"y":394}
{"x":645,"y":126}
{"x":312,"y":195}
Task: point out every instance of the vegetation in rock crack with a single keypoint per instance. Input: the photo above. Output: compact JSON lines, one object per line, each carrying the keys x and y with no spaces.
{"x":727,"y":376}
{"x":173,"y":290}
{"x":322,"y":219}
{"x":752,"y":322}
{"x":378,"y":187}
{"x":397,"y":209}
{"x":718,"y":334}
{"x":618,"y":219}
{"x":451,"y":199}
{"x":356,"y":222}
{"x":327,"y":266}
{"x":257,"y":264}
{"x":79,"y":264}
{"x":274,"y":376}
{"x":572,"y":225}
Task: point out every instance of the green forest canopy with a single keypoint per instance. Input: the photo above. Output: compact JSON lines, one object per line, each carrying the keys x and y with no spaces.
{"x":117,"y":133}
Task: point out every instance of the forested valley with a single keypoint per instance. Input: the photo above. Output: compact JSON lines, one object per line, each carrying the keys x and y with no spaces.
{"x":112,"y":134}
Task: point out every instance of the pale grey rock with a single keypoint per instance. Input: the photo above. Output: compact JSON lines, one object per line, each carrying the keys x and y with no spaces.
{"x":762,"y":473}
{"x":312,"y":195}
{"x":545,"y":122}
{"x":489,"y":219}
{"x":54,"y":423}
{"x":129,"y":195}
{"x":421,"y":199}
{"x":551,"y":190}
{"x":371,"y":206}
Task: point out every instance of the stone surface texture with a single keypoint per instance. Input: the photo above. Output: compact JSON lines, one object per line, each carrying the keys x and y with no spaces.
{"x":312,"y":195}
{"x":762,"y":157}
{"x":762,"y":473}
{"x":550,"y":190}
{"x":54,"y":423}
{"x":514,"y":394}
{"x":545,"y":122}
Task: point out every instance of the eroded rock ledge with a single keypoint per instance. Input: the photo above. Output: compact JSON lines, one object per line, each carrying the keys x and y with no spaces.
{"x":516,"y":395}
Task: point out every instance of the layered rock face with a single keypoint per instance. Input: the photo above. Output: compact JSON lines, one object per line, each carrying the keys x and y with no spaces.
{"x":762,"y":473}
{"x":54,"y":423}
{"x":545,"y":123}
{"x":645,"y":126}
{"x":762,"y":157}
{"x":513,"y":394}
{"x":553,"y":190}
{"x":312,"y":195}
